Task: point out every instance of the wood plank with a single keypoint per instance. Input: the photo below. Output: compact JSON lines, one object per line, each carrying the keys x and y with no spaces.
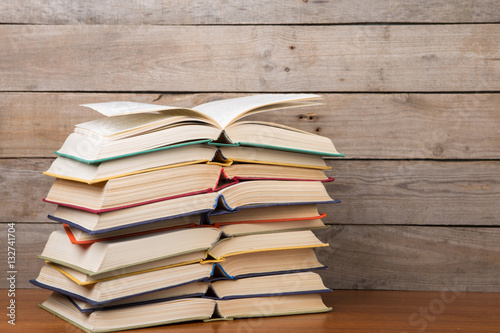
{"x":415,"y":193}
{"x":22,"y":187}
{"x":354,"y":58}
{"x":242,"y":12}
{"x":372,"y":192}
{"x":36,"y":124}
{"x":411,"y":258}
{"x":361,"y":311}
{"x":359,"y":257}
{"x":380,"y":126}
{"x":30,"y":239}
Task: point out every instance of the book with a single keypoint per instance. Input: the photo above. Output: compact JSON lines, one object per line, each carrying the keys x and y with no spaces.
{"x":246,"y":171}
{"x":255,"y":155}
{"x":270,"y":306}
{"x":107,"y":256}
{"x":235,"y":267}
{"x":232,"y":246}
{"x":283,"y":262}
{"x":84,"y":279}
{"x":270,"y":214}
{"x":192,"y":212}
{"x":190,"y":290}
{"x":78,"y":236}
{"x":136,"y":189}
{"x":266,"y":263}
{"x":132,"y":128}
{"x":268,"y":285}
{"x":258,"y":258}
{"x":251,"y":221}
{"x":167,"y":184}
{"x":168,"y":213}
{"x":240,"y":196}
{"x":67,"y":168}
{"x":242,"y":229}
{"x":113,"y":290}
{"x":128,"y":287}
{"x":154,"y":314}
{"x":111,"y":255}
{"x":181,"y":310}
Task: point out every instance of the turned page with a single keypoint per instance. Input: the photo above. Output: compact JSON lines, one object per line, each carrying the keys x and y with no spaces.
{"x":227,"y":111}
{"x":128,"y":116}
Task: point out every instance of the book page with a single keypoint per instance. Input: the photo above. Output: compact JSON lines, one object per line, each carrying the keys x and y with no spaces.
{"x":111,"y":109}
{"x":128,"y":115}
{"x":120,"y":127}
{"x":227,"y":111}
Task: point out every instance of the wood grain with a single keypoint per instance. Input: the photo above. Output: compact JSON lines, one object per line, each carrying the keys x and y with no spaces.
{"x":280,"y":58}
{"x":379,"y":126}
{"x":243,"y":12}
{"x":415,"y":193}
{"x":411,"y":258}
{"x":372,"y":192}
{"x":22,"y":187}
{"x":359,"y":311}
{"x":411,"y":99}
{"x":30,"y":239}
{"x":359,"y":257}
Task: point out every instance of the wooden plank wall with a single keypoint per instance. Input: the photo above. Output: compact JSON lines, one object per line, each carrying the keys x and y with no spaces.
{"x":410,"y":91}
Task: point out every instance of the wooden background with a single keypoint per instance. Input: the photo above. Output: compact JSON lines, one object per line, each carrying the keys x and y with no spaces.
{"x":410,"y":91}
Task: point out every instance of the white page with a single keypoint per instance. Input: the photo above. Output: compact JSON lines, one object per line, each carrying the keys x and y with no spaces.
{"x":228,"y":110}
{"x":111,"y":109}
{"x":222,"y":112}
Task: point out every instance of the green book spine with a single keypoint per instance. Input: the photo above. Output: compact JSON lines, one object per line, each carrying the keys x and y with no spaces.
{"x":131,"y":154}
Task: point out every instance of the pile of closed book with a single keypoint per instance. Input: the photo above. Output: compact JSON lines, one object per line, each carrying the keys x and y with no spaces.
{"x":172,"y":215}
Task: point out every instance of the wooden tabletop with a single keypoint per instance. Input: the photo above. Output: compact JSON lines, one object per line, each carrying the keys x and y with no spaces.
{"x":353,"y":311}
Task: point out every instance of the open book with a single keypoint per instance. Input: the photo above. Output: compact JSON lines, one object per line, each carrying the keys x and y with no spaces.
{"x":78,"y":236}
{"x":244,"y":195}
{"x":166,"y":184}
{"x":133,"y":128}
{"x":110,"y":271}
{"x":166,"y":249}
{"x":181,"y":310}
{"x":268,"y":285}
{"x":244,"y":222}
{"x":181,"y":281}
{"x":283,"y":263}
{"x":67,"y":168}
{"x":154,"y":314}
{"x":233,"y":267}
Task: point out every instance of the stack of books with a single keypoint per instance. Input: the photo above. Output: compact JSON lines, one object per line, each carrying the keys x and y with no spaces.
{"x":172,"y":215}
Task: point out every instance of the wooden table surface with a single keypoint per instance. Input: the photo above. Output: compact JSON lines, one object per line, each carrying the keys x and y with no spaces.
{"x":353,"y":311}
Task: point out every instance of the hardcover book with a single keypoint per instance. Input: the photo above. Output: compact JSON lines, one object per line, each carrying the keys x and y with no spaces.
{"x":67,"y":168}
{"x":133,"y":128}
{"x":167,"y":184}
{"x":127,"y":254}
{"x":181,"y":310}
{"x":173,"y":215}
{"x":241,"y":196}
{"x":243,"y":222}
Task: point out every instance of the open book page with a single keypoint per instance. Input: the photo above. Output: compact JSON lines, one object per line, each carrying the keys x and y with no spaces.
{"x":111,"y":109}
{"x":128,"y":118}
{"x":119,"y":127}
{"x":227,"y":111}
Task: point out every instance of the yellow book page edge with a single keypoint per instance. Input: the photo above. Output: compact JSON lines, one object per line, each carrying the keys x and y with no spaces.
{"x":99,"y":180}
